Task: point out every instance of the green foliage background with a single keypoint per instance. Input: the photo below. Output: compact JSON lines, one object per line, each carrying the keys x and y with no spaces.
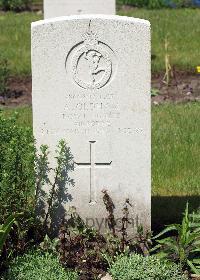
{"x":15,"y":5}
{"x":180,"y":26}
{"x":16,"y":168}
{"x":156,"y":4}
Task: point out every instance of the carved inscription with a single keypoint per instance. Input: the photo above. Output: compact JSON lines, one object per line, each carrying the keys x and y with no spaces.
{"x":91,"y":65}
{"x":91,"y":112}
{"x":93,"y":165}
{"x":90,"y":62}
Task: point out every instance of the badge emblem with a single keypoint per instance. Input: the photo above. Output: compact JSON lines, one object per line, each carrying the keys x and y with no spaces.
{"x":91,"y":63}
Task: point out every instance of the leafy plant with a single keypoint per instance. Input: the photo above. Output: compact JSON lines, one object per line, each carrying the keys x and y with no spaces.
{"x":37,"y":265}
{"x":21,"y":171}
{"x":155,"y":4}
{"x":110,"y":210}
{"x":5,"y":230}
{"x":183,"y":246}
{"x":120,"y":243}
{"x":80,"y":246}
{"x":91,"y":252}
{"x":17,"y":176}
{"x":4,"y":75}
{"x":17,"y":183}
{"x":49,"y":245}
{"x":136,"y":267}
{"x":15,"y":5}
{"x":154,"y":92}
{"x":57,"y":179}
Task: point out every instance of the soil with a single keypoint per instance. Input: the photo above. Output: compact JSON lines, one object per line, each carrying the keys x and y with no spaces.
{"x":18,"y":93}
{"x":183,"y":87}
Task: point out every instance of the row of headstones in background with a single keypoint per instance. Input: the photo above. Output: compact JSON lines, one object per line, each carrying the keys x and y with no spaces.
{"x":57,"y":8}
{"x":91,"y":87}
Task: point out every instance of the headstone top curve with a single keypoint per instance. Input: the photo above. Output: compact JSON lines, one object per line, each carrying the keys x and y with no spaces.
{"x":91,"y":17}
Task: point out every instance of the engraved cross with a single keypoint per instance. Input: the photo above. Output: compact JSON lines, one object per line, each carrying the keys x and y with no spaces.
{"x":93,"y":165}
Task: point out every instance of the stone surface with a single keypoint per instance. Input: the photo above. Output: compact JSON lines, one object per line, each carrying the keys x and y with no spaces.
{"x":57,"y":8}
{"x":107,"y":277}
{"x":91,"y":87}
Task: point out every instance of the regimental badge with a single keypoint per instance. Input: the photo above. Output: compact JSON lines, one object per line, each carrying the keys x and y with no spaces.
{"x":91,"y":63}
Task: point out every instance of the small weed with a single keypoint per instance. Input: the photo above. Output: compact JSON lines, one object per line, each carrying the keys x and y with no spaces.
{"x":154,"y":92}
{"x":89,"y":251}
{"x":183,"y":244}
{"x":168,"y":69}
{"x":4,"y":75}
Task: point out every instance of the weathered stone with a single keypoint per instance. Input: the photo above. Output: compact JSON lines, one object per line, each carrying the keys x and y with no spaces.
{"x":91,"y":87}
{"x":57,"y":8}
{"x":107,"y":277}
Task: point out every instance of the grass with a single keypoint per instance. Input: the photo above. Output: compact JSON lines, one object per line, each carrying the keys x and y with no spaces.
{"x":175,"y":162}
{"x":24,"y":115}
{"x":175,"y":128}
{"x":175,"y":159}
{"x":15,"y":40}
{"x":37,"y":2}
{"x":181,"y":26}
{"x":175,"y":148}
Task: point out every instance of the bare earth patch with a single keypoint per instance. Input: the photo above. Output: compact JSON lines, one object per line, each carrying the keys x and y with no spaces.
{"x":183,"y":87}
{"x":19,"y":92}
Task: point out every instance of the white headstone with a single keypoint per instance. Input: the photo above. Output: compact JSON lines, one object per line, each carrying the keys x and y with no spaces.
{"x":57,"y":8}
{"x":91,"y":87}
